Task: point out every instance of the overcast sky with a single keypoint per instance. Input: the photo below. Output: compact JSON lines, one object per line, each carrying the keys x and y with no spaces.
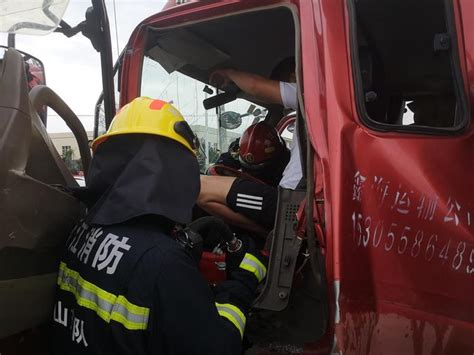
{"x":72,"y":65}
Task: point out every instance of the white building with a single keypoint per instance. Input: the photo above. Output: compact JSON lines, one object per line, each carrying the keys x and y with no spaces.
{"x":66,"y":141}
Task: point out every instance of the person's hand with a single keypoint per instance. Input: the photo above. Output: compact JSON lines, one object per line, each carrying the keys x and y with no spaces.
{"x":212,"y":230}
{"x":248,"y":260}
{"x":220,"y":78}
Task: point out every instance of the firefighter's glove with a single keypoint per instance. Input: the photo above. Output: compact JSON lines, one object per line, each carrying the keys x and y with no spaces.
{"x":212,"y":230}
{"x":246,"y":265}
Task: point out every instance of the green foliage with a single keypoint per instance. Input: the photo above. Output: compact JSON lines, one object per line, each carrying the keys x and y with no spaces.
{"x":74,"y":165}
{"x":213,"y":155}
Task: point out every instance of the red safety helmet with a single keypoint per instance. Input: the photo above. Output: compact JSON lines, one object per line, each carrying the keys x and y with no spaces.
{"x":259,"y":146}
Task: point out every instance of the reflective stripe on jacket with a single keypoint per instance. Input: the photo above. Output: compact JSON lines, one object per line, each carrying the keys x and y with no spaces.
{"x":131,"y":289}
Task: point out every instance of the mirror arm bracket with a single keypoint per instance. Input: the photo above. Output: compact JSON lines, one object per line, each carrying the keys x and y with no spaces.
{"x":69,"y":31}
{"x":104,"y":46}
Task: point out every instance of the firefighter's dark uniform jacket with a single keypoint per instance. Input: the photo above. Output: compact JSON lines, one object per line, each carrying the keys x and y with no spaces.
{"x":128,"y":287}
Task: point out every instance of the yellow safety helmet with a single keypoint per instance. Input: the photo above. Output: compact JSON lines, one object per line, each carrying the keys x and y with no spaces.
{"x":148,"y":116}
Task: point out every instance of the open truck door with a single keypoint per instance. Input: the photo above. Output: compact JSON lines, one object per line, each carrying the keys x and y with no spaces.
{"x":37,"y":207}
{"x":36,"y":213}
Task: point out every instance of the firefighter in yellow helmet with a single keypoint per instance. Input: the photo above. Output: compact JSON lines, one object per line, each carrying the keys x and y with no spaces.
{"x":126,"y":283}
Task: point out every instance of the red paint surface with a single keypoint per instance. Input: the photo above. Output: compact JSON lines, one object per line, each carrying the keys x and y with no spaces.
{"x":208,"y":266}
{"x":400,"y":301}
{"x":393,"y":298}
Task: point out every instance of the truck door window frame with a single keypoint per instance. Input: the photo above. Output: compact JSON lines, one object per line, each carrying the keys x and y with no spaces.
{"x":297,"y":53}
{"x":457,"y":78}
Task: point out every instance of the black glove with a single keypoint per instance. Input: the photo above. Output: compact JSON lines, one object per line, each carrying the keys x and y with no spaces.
{"x":212,"y":230}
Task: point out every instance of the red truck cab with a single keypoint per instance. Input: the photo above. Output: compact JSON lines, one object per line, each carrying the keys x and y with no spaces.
{"x":385,"y":94}
{"x":374,"y":254}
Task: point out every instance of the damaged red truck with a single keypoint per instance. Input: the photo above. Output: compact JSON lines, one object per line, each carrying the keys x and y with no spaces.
{"x":381,"y":257}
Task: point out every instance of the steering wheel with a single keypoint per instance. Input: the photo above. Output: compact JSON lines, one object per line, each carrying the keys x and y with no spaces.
{"x":223,"y":170}
{"x":42,"y":95}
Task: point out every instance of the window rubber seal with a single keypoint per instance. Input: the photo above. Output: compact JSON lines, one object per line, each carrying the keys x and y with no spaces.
{"x":458,"y":82}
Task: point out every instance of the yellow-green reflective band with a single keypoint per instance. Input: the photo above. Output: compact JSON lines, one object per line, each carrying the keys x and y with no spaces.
{"x":105,"y":304}
{"x":255,"y":266}
{"x":233,"y":314}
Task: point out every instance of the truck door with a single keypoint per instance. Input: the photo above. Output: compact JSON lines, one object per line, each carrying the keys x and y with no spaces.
{"x":388,"y":113}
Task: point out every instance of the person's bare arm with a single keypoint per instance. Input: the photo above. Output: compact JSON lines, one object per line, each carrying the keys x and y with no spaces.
{"x":212,"y":199}
{"x":255,"y":85}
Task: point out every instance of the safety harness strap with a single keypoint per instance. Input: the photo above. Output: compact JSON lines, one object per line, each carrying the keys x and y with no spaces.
{"x":105,"y":304}
{"x":233,"y":314}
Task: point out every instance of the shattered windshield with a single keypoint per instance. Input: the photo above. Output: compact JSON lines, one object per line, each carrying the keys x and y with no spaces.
{"x":31,"y":16}
{"x":216,"y":129}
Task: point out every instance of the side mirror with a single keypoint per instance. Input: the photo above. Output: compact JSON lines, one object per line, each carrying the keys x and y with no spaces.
{"x":35,"y":74}
{"x":230,"y":120}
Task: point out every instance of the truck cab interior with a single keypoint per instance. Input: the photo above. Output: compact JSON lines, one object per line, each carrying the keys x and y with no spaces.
{"x":291,"y":309}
